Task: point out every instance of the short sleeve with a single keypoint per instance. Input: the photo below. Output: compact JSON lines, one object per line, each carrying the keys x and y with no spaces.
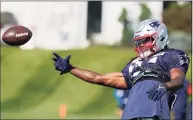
{"x":126,"y":75}
{"x":178,"y":59}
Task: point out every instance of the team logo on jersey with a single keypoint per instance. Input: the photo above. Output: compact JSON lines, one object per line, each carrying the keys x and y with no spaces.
{"x":183,"y":59}
{"x":155,"y":24}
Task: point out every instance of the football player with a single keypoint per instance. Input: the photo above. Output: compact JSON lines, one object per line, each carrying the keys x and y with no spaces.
{"x":155,"y":71}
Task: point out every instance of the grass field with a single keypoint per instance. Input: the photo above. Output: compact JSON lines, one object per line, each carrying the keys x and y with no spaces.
{"x":31,"y":88}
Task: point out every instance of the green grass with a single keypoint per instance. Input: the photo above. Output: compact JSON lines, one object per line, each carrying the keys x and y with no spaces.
{"x":32,"y":88}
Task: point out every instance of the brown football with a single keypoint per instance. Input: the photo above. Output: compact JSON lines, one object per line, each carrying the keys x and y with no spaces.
{"x":17,"y":35}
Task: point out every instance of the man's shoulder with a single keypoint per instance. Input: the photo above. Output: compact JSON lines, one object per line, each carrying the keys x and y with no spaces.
{"x":174,"y":51}
{"x":176,"y":56}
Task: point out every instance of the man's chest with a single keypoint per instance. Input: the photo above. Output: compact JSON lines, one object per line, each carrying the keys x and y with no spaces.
{"x":137,"y":64}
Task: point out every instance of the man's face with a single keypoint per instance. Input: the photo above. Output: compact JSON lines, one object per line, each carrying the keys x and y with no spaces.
{"x":145,"y":47}
{"x":144,"y":44}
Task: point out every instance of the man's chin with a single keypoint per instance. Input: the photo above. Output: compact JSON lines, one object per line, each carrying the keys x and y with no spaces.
{"x":145,"y":54}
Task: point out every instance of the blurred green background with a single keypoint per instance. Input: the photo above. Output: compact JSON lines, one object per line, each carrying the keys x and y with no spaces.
{"x":32,"y":88}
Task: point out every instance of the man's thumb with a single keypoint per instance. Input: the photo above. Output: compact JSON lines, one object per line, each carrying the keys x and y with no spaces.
{"x":68,"y":57}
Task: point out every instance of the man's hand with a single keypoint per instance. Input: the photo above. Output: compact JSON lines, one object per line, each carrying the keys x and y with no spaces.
{"x":61,"y":64}
{"x":157,"y":91}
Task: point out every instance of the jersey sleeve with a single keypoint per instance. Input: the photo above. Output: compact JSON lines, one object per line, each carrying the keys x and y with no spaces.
{"x":126,"y":75}
{"x":178,"y":59}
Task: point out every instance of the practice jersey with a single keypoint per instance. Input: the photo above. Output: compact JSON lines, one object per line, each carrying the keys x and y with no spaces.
{"x":138,"y":104}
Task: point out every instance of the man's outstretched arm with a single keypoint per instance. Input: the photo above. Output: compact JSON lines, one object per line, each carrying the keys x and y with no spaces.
{"x":115,"y":79}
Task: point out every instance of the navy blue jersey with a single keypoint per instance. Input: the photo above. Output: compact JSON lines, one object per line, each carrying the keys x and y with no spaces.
{"x":139,"y":105}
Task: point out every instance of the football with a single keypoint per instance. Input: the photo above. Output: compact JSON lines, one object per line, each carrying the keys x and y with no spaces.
{"x":17,"y":35}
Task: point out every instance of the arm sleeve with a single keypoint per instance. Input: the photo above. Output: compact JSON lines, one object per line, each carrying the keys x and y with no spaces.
{"x":178,"y":59}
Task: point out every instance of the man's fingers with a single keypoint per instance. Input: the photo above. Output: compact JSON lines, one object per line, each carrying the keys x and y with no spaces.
{"x":62,"y":73}
{"x":57,"y":56}
{"x":159,"y":96}
{"x":156,"y":96}
{"x":57,"y":68}
{"x":54,"y":59}
{"x":68,"y":57}
{"x":151,"y":95}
